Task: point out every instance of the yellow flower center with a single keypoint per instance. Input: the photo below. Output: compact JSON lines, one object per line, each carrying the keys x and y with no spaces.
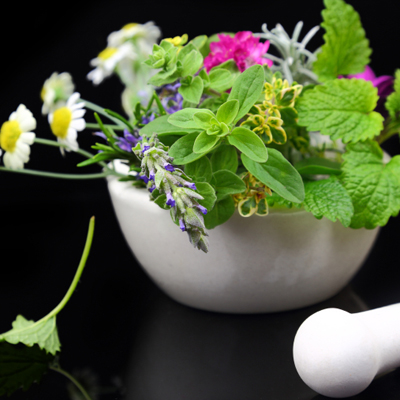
{"x":129,"y":26}
{"x":107,"y":53}
{"x":43,"y":93}
{"x":61,"y":120}
{"x":9,"y":134}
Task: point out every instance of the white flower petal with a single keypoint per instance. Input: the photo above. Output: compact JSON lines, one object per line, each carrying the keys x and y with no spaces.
{"x":27,"y":124}
{"x":12,"y":161}
{"x":78,"y":124}
{"x":73,"y":99}
{"x":27,"y":137}
{"x":50,"y":118}
{"x":79,"y":113}
{"x":77,"y":106}
{"x":22,"y":150}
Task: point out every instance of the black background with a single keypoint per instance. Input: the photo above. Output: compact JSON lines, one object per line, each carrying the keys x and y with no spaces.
{"x":116,"y":311}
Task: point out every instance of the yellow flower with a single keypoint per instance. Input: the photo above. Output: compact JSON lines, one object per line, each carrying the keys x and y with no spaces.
{"x":16,"y":138}
{"x":178,"y":41}
{"x":66,"y":122}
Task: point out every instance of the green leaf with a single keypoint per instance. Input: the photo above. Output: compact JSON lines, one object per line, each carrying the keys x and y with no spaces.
{"x":318,"y":166}
{"x":199,"y":42}
{"x":21,"y":366}
{"x":222,"y":211}
{"x":248,"y":143}
{"x":228,"y":111}
{"x":205,"y":143}
{"x":182,"y":149}
{"x":346,"y":49}
{"x":278,"y":174}
{"x":184,"y":118}
{"x":208,"y":192}
{"x":227,"y":183}
{"x":193,"y":91}
{"x":192,"y":61}
{"x":221,"y":79}
{"x":199,"y":170}
{"x":225,"y":157}
{"x":164,"y":127}
{"x":44,"y":333}
{"x":373,"y":186}
{"x":393,"y":100}
{"x":161,"y":200}
{"x":343,"y":109}
{"x":203,"y":119}
{"x":247,"y":89}
{"x":328,"y":198}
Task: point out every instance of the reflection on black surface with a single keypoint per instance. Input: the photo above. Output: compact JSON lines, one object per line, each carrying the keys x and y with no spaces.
{"x":184,"y":353}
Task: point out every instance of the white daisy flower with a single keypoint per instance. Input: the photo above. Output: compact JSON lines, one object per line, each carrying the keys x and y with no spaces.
{"x":56,"y":91}
{"x":67,"y":121}
{"x":107,"y":61}
{"x":16,"y":138}
{"x":147,"y":34}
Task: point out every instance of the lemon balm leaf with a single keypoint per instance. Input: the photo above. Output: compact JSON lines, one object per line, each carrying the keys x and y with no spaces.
{"x":373,"y":186}
{"x":328,"y":198}
{"x":346,"y":49}
{"x":20,"y":367}
{"x":44,"y":332}
{"x":343,"y":109}
{"x":393,"y":100}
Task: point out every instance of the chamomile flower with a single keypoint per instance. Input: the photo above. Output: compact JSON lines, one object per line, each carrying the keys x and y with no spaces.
{"x":108,"y":59}
{"x":67,"y":121}
{"x":16,"y":137}
{"x":56,"y":91}
{"x":143,"y":34}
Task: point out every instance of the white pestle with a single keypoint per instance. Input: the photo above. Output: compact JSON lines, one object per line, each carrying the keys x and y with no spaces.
{"x":338,"y":354}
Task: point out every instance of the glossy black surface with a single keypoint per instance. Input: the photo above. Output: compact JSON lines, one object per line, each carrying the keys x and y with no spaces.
{"x":138,"y":343}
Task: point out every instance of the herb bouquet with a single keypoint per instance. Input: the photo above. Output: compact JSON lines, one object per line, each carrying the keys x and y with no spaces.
{"x":217,"y":126}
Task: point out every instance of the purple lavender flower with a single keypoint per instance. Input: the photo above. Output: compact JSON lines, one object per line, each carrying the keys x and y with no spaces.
{"x":147,"y":119}
{"x":151,"y":189}
{"x":144,"y":178}
{"x":169,"y":167}
{"x":152,"y":175}
{"x":100,"y":134}
{"x":191,"y":185}
{"x":128,"y":141}
{"x":171,"y":99}
{"x":202,"y":209}
{"x":170,"y":200}
{"x":145,"y":147}
{"x":182,"y":225}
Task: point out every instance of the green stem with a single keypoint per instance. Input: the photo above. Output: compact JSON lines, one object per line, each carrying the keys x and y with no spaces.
{"x":73,"y":380}
{"x":57,"y":144}
{"x":101,"y":111}
{"x":97,"y":126}
{"x":159,"y":104}
{"x":78,"y":273}
{"x":62,"y":176}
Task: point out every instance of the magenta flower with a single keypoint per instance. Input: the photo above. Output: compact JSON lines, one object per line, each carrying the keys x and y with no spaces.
{"x":245,"y":49}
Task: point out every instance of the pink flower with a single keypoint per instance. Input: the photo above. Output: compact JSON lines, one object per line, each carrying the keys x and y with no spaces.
{"x":245,"y":49}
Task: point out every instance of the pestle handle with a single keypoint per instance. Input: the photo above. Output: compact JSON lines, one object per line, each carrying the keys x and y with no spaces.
{"x":338,"y":354}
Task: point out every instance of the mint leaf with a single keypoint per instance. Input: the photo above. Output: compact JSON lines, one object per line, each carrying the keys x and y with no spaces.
{"x":328,"y":198}
{"x":222,"y":211}
{"x":278,"y":174}
{"x":21,"y":366}
{"x":199,"y":170}
{"x":248,"y":143}
{"x":343,"y":109}
{"x":247,"y":89}
{"x":393,"y":100}
{"x":374,"y":187}
{"x":228,"y":111}
{"x":346,"y":49}
{"x":227,"y":183}
{"x":225,"y":157}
